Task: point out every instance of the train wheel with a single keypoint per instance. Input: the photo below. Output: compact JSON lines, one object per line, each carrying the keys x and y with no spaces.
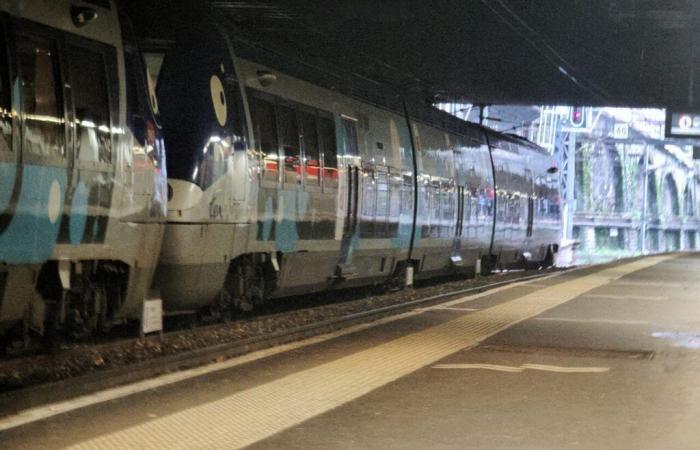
{"x":53,"y":337}
{"x":246,"y":284}
{"x":549,"y":259}
{"x":487,"y":264}
{"x":398,"y":279}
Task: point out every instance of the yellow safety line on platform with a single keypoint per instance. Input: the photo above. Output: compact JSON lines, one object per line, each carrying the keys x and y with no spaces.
{"x":252,"y":415}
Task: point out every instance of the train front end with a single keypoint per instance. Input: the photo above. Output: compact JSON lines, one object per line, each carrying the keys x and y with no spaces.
{"x":210,"y":175}
{"x":81,"y":168}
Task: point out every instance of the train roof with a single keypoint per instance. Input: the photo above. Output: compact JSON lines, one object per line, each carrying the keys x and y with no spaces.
{"x":505,"y":141}
{"x":316,"y":71}
{"x":375,"y":93}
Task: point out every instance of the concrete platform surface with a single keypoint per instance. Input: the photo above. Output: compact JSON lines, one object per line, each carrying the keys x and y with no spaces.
{"x":605,"y":357}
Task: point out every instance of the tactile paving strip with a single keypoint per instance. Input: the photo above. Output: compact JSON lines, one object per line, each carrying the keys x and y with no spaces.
{"x":249,"y":416}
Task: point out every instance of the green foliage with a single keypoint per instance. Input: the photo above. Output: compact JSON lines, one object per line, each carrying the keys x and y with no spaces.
{"x":586,"y":206}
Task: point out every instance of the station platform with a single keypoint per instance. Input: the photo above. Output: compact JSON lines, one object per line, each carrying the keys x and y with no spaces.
{"x":597,"y":357}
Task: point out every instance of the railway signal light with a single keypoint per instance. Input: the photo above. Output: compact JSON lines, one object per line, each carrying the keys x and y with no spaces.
{"x":578,"y":117}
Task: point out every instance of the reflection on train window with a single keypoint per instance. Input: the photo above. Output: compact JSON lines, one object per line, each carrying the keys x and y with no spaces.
{"x":5,"y":98}
{"x":326,"y":128}
{"x":435,"y":209}
{"x":407,"y":194}
{"x":216,"y":161}
{"x":266,"y":136}
{"x":349,"y":127}
{"x":289,"y":143}
{"x":153,"y":62}
{"x":43,"y":117}
{"x":311,"y":149}
{"x":89,"y":82}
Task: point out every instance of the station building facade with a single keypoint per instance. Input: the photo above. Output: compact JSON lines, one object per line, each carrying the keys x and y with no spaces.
{"x":634,"y":191}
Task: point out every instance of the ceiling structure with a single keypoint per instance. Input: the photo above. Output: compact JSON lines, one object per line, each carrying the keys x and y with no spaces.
{"x":581,"y":52}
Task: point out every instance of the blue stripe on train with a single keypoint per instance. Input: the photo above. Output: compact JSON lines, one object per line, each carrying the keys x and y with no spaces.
{"x":78,"y":214}
{"x":31,"y":236}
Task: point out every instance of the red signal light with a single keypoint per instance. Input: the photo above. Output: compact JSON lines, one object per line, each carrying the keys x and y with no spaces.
{"x":578,"y":117}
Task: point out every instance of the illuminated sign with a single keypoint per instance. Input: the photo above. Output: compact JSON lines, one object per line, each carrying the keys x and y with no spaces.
{"x":621,"y":131}
{"x":682,"y":124}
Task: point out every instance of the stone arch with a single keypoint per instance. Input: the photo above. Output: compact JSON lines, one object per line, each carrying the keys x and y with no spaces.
{"x":671,"y":206}
{"x":689,"y":199}
{"x":652,"y":210}
{"x":607,"y":187}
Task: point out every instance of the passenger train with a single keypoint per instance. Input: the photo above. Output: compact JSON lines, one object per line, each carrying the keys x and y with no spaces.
{"x":215,"y":181}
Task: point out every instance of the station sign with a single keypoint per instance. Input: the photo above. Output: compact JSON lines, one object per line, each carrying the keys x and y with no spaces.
{"x":683,"y":124}
{"x":621,"y":131}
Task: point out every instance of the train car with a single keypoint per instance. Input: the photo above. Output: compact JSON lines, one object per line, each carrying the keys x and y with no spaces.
{"x":527,"y":213}
{"x":82,"y":174}
{"x":280,"y":186}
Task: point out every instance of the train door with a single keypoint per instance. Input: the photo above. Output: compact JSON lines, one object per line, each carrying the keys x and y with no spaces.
{"x":93,"y":85}
{"x":459,"y":225}
{"x":325,"y":228}
{"x":348,"y":134}
{"x":262,"y":110}
{"x":530,"y":202}
{"x":456,"y":256}
{"x":45,"y":157}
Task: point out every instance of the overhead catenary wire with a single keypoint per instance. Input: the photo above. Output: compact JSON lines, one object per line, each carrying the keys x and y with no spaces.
{"x":544,"y":48}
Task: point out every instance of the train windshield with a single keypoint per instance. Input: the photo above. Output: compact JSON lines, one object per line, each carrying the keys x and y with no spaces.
{"x":201,"y":107}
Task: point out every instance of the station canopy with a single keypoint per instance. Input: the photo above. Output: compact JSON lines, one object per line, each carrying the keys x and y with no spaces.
{"x":594,"y":52}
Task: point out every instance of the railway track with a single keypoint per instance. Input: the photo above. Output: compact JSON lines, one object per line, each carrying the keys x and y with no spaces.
{"x":81,"y":369}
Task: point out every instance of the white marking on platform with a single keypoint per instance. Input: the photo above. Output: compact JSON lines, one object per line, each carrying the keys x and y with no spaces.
{"x":457,"y":308}
{"x":53,"y":409}
{"x":254,"y":414}
{"x":645,"y":284}
{"x":627,"y":297}
{"x":612,"y":321}
{"x":512,"y":369}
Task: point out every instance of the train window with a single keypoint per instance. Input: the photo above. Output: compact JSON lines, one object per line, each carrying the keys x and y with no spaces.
{"x":5,"y":98}
{"x":41,"y":108}
{"x":266,"y":136}
{"x":326,"y":129}
{"x":289,"y":143}
{"x":91,"y":101}
{"x":350,"y":137}
{"x":311,"y":149}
